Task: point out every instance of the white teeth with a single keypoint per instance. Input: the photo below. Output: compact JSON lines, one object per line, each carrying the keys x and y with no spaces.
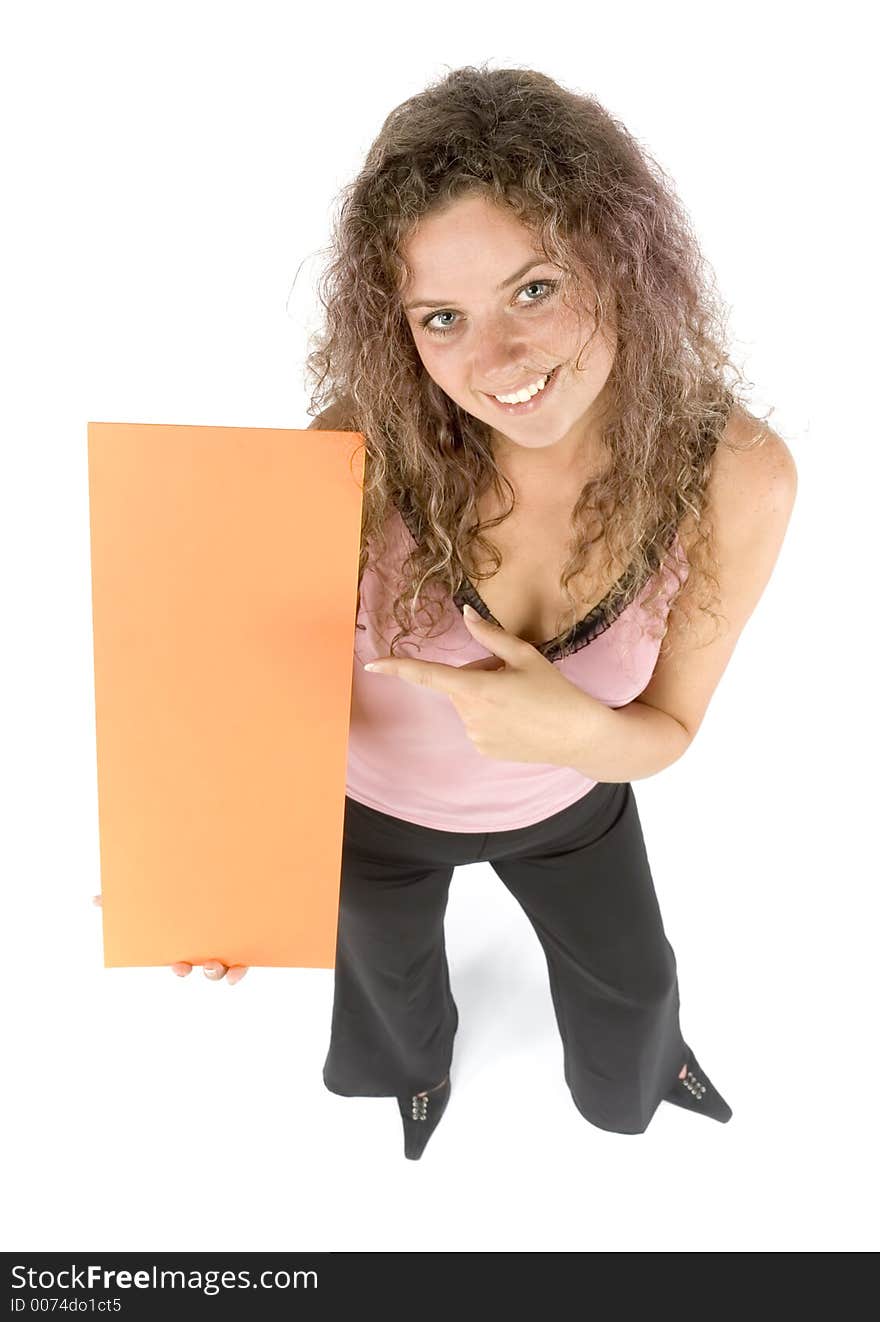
{"x":522,"y":395}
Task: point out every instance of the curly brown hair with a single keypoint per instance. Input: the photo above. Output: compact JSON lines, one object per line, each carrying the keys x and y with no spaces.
{"x":597,"y":203}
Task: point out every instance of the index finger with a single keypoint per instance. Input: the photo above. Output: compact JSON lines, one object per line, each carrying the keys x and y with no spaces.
{"x":434,"y":675}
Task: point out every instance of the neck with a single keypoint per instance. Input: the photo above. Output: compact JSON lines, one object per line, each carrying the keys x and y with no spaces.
{"x":566,"y":466}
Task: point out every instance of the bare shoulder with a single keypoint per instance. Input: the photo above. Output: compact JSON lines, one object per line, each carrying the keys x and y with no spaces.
{"x":753,"y":479}
{"x":749,"y":501}
{"x":750,"y":496}
{"x":751,"y":488}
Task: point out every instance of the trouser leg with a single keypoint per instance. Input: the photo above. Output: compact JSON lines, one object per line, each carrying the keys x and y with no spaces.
{"x":394,"y":1017}
{"x":590,"y":897}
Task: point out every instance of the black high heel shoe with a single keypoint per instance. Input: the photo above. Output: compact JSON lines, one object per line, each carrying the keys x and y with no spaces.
{"x":696,"y":1092}
{"x":421,"y":1114}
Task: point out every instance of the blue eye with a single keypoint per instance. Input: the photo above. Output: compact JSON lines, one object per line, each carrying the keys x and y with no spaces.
{"x":549,"y":285}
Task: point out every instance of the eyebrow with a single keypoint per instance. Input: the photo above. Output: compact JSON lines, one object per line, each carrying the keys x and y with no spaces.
{"x":505,"y":284}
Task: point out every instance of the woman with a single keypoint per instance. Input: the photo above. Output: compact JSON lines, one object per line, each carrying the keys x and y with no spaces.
{"x":519,"y":324}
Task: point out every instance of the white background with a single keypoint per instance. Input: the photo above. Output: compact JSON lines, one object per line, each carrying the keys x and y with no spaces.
{"x":167,"y":168}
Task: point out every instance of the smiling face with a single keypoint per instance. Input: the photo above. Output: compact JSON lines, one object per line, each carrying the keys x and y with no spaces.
{"x":487,"y":317}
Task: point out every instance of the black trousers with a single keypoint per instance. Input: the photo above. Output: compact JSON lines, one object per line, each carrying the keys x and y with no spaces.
{"x":582,"y":876}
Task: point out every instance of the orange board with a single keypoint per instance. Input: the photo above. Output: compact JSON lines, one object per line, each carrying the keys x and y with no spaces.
{"x":224,"y":591}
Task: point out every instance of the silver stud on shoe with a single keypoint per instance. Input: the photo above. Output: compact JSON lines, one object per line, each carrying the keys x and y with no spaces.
{"x":694,"y":1086}
{"x":699,"y":1089}
{"x":414,"y":1107}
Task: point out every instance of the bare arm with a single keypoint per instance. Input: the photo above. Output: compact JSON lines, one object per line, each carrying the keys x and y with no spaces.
{"x":751,"y":498}
{"x":628,"y":743}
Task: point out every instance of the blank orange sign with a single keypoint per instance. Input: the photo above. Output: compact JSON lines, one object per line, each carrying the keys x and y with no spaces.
{"x":224,"y":592}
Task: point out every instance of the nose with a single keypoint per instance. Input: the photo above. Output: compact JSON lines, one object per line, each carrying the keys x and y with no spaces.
{"x":504,"y":362}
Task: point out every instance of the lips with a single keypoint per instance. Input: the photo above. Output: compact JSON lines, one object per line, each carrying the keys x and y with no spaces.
{"x":533,"y":403}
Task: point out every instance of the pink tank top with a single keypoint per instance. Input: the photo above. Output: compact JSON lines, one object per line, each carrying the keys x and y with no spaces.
{"x":408,"y":754}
